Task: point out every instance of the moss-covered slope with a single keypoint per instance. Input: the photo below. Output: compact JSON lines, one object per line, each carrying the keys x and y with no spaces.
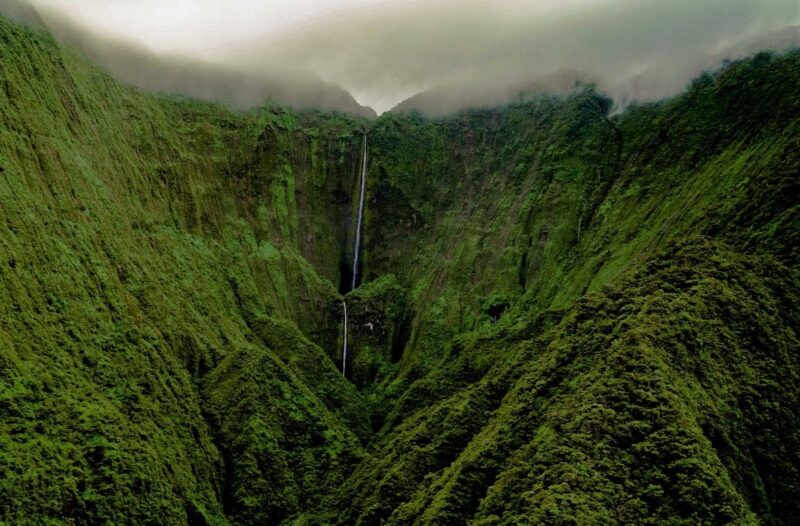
{"x":158,"y":258}
{"x":552,"y":198}
{"x":668,"y":398}
{"x":641,"y":266}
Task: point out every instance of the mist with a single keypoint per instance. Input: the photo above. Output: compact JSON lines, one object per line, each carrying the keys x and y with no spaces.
{"x":481,"y":53}
{"x":239,"y":86}
{"x":443,"y":55}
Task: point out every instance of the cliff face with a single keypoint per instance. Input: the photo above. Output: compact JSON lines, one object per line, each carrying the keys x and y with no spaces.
{"x":566,"y":316}
{"x":531,"y":206}
{"x":603,"y":309}
{"x":161,"y":259}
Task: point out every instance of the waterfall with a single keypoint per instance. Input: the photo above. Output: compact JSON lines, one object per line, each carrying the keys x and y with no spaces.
{"x":344,"y":345}
{"x":356,"y":248}
{"x":360,"y":212}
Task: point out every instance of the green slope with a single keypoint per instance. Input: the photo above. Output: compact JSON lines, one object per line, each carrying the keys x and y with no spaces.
{"x":159,"y":255}
{"x":668,"y":398}
{"x":677,"y":223}
{"x":567,"y":316}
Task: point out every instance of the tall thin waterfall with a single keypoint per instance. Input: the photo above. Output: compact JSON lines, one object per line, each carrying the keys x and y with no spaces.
{"x":360,"y":212}
{"x":356,"y":248}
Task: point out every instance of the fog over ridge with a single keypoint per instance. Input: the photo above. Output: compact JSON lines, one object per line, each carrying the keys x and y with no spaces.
{"x":459,"y":53}
{"x":216,"y":81}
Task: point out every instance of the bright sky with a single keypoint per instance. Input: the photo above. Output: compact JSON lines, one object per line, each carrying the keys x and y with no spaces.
{"x":211,"y":27}
{"x":383,"y":51}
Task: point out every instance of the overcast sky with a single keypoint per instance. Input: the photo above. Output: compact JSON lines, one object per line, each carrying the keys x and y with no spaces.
{"x":383,"y":51}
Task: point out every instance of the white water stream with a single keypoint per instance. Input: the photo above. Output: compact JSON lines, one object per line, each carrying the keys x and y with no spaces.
{"x":360,"y":212}
{"x":356,"y":248}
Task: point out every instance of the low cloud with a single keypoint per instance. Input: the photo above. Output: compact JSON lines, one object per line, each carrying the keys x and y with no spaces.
{"x":485,"y":52}
{"x":462,"y":53}
{"x":234,"y":85}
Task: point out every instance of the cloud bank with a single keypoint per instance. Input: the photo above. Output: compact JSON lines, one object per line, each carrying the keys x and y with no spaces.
{"x":461,"y":52}
{"x":217,"y":81}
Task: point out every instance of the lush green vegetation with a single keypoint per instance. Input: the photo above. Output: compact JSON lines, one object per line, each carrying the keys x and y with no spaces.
{"x":568,"y":316}
{"x":159,"y":258}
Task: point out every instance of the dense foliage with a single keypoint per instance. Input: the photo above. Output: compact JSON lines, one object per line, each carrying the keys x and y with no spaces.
{"x":569,"y":315}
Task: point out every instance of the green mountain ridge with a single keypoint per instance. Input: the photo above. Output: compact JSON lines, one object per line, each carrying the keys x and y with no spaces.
{"x":565,"y":317}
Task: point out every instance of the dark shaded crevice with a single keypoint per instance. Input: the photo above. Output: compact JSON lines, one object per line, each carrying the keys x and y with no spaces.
{"x":345,"y":275}
{"x":497,"y":309}
{"x":224,"y":493}
{"x":524,"y":267}
{"x":610,"y":168}
{"x":402,"y":335}
{"x":194,"y":517}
